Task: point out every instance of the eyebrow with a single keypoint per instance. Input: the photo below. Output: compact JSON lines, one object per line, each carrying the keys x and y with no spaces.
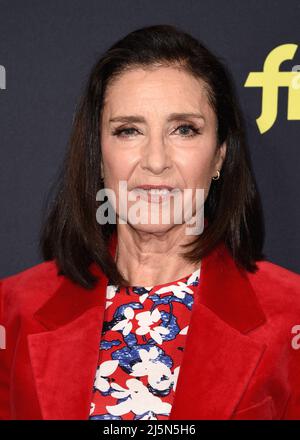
{"x":171,"y":117}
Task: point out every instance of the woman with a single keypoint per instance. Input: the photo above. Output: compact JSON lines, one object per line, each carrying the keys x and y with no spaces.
{"x":149,"y":320}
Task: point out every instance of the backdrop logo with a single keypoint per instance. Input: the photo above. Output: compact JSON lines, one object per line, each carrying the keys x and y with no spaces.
{"x":270,"y":79}
{"x":2,"y":78}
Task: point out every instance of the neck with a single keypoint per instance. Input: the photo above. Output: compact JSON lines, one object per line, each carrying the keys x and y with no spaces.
{"x":149,"y":259}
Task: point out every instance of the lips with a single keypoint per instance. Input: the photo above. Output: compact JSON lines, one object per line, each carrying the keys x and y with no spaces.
{"x":155,"y":193}
{"x":153,"y":187}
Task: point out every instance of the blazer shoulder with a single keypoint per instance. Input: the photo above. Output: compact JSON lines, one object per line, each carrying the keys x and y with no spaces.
{"x":31,"y":286}
{"x":32,"y":275}
{"x":269,"y":271}
{"x":276,"y":286}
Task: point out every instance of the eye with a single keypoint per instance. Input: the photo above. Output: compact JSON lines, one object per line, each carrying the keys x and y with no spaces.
{"x":119,"y":131}
{"x":194,"y":131}
{"x":126,"y":132}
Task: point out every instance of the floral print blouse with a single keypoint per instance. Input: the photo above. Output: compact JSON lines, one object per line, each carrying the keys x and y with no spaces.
{"x":141,"y":349}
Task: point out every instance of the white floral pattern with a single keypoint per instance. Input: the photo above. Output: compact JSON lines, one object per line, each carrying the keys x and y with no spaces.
{"x":142,"y":345}
{"x":125,"y":325}
{"x":146,"y":319}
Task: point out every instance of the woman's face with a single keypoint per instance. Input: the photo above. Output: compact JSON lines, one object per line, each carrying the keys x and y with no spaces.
{"x":157,"y":128}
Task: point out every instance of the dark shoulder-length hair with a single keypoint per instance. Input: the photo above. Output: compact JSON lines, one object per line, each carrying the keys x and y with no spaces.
{"x":70,"y":233}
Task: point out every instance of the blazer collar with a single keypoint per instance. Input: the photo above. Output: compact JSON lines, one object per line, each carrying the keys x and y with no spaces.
{"x":219,"y":358}
{"x":225,"y":289}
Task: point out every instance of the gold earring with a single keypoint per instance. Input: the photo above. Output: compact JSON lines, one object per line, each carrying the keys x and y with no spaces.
{"x":217,"y":176}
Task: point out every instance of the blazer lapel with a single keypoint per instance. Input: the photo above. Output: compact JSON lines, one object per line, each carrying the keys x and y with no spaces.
{"x":64,"y":362}
{"x":64,"y":358}
{"x":219,"y":358}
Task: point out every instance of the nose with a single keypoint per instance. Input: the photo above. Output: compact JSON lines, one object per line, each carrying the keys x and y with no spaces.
{"x":156,"y":155}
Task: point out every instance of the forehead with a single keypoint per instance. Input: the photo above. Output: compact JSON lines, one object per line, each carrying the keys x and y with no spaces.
{"x":162,"y":89}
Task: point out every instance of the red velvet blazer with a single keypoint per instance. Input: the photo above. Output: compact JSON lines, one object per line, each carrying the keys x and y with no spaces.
{"x":241,"y":359}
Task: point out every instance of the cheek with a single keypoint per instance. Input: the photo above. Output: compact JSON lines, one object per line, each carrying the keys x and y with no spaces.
{"x":197,"y":170}
{"x":116,"y":166}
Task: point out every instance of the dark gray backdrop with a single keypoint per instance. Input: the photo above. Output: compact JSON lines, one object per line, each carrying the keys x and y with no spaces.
{"x":48,"y":48}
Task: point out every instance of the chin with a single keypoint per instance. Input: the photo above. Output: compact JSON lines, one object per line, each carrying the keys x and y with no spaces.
{"x":153,"y":229}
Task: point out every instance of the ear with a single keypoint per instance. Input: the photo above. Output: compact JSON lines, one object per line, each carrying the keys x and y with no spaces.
{"x":220,"y":156}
